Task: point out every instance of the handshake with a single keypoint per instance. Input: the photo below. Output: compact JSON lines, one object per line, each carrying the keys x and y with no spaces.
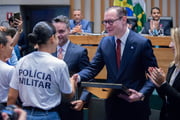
{"x":11,"y":112}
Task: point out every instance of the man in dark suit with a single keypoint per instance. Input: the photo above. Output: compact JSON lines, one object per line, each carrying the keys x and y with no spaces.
{"x":76,"y":59}
{"x":79,"y":25}
{"x":127,"y":65}
{"x":155,"y":26}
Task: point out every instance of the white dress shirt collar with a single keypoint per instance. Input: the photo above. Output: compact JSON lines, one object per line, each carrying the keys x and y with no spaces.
{"x":123,"y":40}
{"x":64,"y":47}
{"x":124,"y":37}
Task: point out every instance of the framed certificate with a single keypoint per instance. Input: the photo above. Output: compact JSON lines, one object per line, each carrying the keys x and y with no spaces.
{"x":104,"y":90}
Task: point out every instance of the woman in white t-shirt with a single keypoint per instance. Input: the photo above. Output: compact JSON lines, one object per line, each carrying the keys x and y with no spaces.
{"x":40,"y":78}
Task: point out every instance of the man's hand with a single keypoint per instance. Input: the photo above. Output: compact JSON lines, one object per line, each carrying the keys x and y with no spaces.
{"x":75,"y":77}
{"x":77,"y":29}
{"x":154,"y":25}
{"x":133,"y":97}
{"x":78,"y":105}
{"x":19,"y":24}
{"x":2,"y":28}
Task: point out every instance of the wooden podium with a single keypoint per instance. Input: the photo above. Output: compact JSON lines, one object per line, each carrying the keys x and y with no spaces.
{"x":103,"y":90}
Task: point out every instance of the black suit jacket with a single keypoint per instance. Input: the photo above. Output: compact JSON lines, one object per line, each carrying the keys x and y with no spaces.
{"x":165,"y":26}
{"x":171,"y":105}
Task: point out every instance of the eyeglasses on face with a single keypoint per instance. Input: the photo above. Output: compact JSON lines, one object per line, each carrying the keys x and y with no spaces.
{"x":110,"y":22}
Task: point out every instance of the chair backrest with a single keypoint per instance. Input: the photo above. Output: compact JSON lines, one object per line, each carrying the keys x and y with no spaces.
{"x":132,"y":20}
{"x":165,"y":18}
{"x":92,"y":26}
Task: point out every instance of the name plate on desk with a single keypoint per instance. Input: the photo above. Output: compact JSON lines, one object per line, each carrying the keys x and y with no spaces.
{"x":104,"y":90}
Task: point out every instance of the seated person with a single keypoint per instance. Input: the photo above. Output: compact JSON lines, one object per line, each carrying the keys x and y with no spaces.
{"x":79,"y":25}
{"x":155,"y":26}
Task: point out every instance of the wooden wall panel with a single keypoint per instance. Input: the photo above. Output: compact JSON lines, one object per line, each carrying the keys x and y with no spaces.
{"x":82,"y":7}
{"x":168,"y":8}
{"x":152,"y":3}
{"x":102,"y":13}
{"x":177,"y":13}
{"x":149,"y":5}
{"x":160,"y":6}
{"x":71,"y":7}
{"x":111,"y":2}
{"x":92,"y":11}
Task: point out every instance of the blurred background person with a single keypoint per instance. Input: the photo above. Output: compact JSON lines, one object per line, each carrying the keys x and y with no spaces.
{"x":155,"y":26}
{"x":168,"y":86}
{"x":79,"y":25}
{"x":22,"y":45}
{"x":14,"y":33}
{"x":45,"y":76}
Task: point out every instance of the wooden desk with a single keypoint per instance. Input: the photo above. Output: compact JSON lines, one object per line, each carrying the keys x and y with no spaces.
{"x":163,"y":54}
{"x":95,"y":39}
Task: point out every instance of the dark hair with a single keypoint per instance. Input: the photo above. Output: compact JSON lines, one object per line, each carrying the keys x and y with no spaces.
{"x":42,"y":31}
{"x":63,"y":19}
{"x":11,"y":31}
{"x":3,"y":39}
{"x":155,"y":8}
{"x":121,"y":11}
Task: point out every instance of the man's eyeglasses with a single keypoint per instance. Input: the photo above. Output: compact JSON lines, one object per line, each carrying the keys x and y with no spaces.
{"x":110,"y":22}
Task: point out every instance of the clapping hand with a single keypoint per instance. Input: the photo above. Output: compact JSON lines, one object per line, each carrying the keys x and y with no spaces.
{"x":156,"y":75}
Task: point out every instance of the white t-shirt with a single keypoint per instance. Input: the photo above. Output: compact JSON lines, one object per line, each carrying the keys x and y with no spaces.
{"x":5,"y":77}
{"x":40,"y":79}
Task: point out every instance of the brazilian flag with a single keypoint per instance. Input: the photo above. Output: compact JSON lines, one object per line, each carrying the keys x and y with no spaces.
{"x":134,"y":8}
{"x":125,"y":3}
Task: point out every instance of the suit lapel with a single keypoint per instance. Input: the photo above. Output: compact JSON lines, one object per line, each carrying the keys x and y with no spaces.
{"x":68,"y":53}
{"x":176,"y":81}
{"x":170,"y":72}
{"x":112,"y":54}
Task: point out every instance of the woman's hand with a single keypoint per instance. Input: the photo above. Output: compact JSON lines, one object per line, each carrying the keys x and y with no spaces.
{"x":156,"y":75}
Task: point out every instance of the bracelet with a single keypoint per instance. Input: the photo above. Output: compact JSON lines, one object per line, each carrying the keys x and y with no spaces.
{"x":20,"y":31}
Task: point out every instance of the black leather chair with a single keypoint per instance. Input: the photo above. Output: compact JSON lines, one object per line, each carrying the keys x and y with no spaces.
{"x":92,"y":26}
{"x":132,"y":20}
{"x":165,"y":18}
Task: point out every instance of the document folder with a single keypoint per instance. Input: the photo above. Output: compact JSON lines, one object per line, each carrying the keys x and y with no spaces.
{"x":104,"y":90}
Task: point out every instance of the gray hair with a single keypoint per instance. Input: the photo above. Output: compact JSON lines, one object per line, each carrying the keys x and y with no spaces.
{"x":121,"y":11}
{"x":63,"y":19}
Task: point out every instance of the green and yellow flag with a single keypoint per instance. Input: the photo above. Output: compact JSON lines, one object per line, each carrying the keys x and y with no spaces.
{"x":134,"y":8}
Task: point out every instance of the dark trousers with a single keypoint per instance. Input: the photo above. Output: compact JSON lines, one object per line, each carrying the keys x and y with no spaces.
{"x":66,"y":113}
{"x":118,"y":109}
